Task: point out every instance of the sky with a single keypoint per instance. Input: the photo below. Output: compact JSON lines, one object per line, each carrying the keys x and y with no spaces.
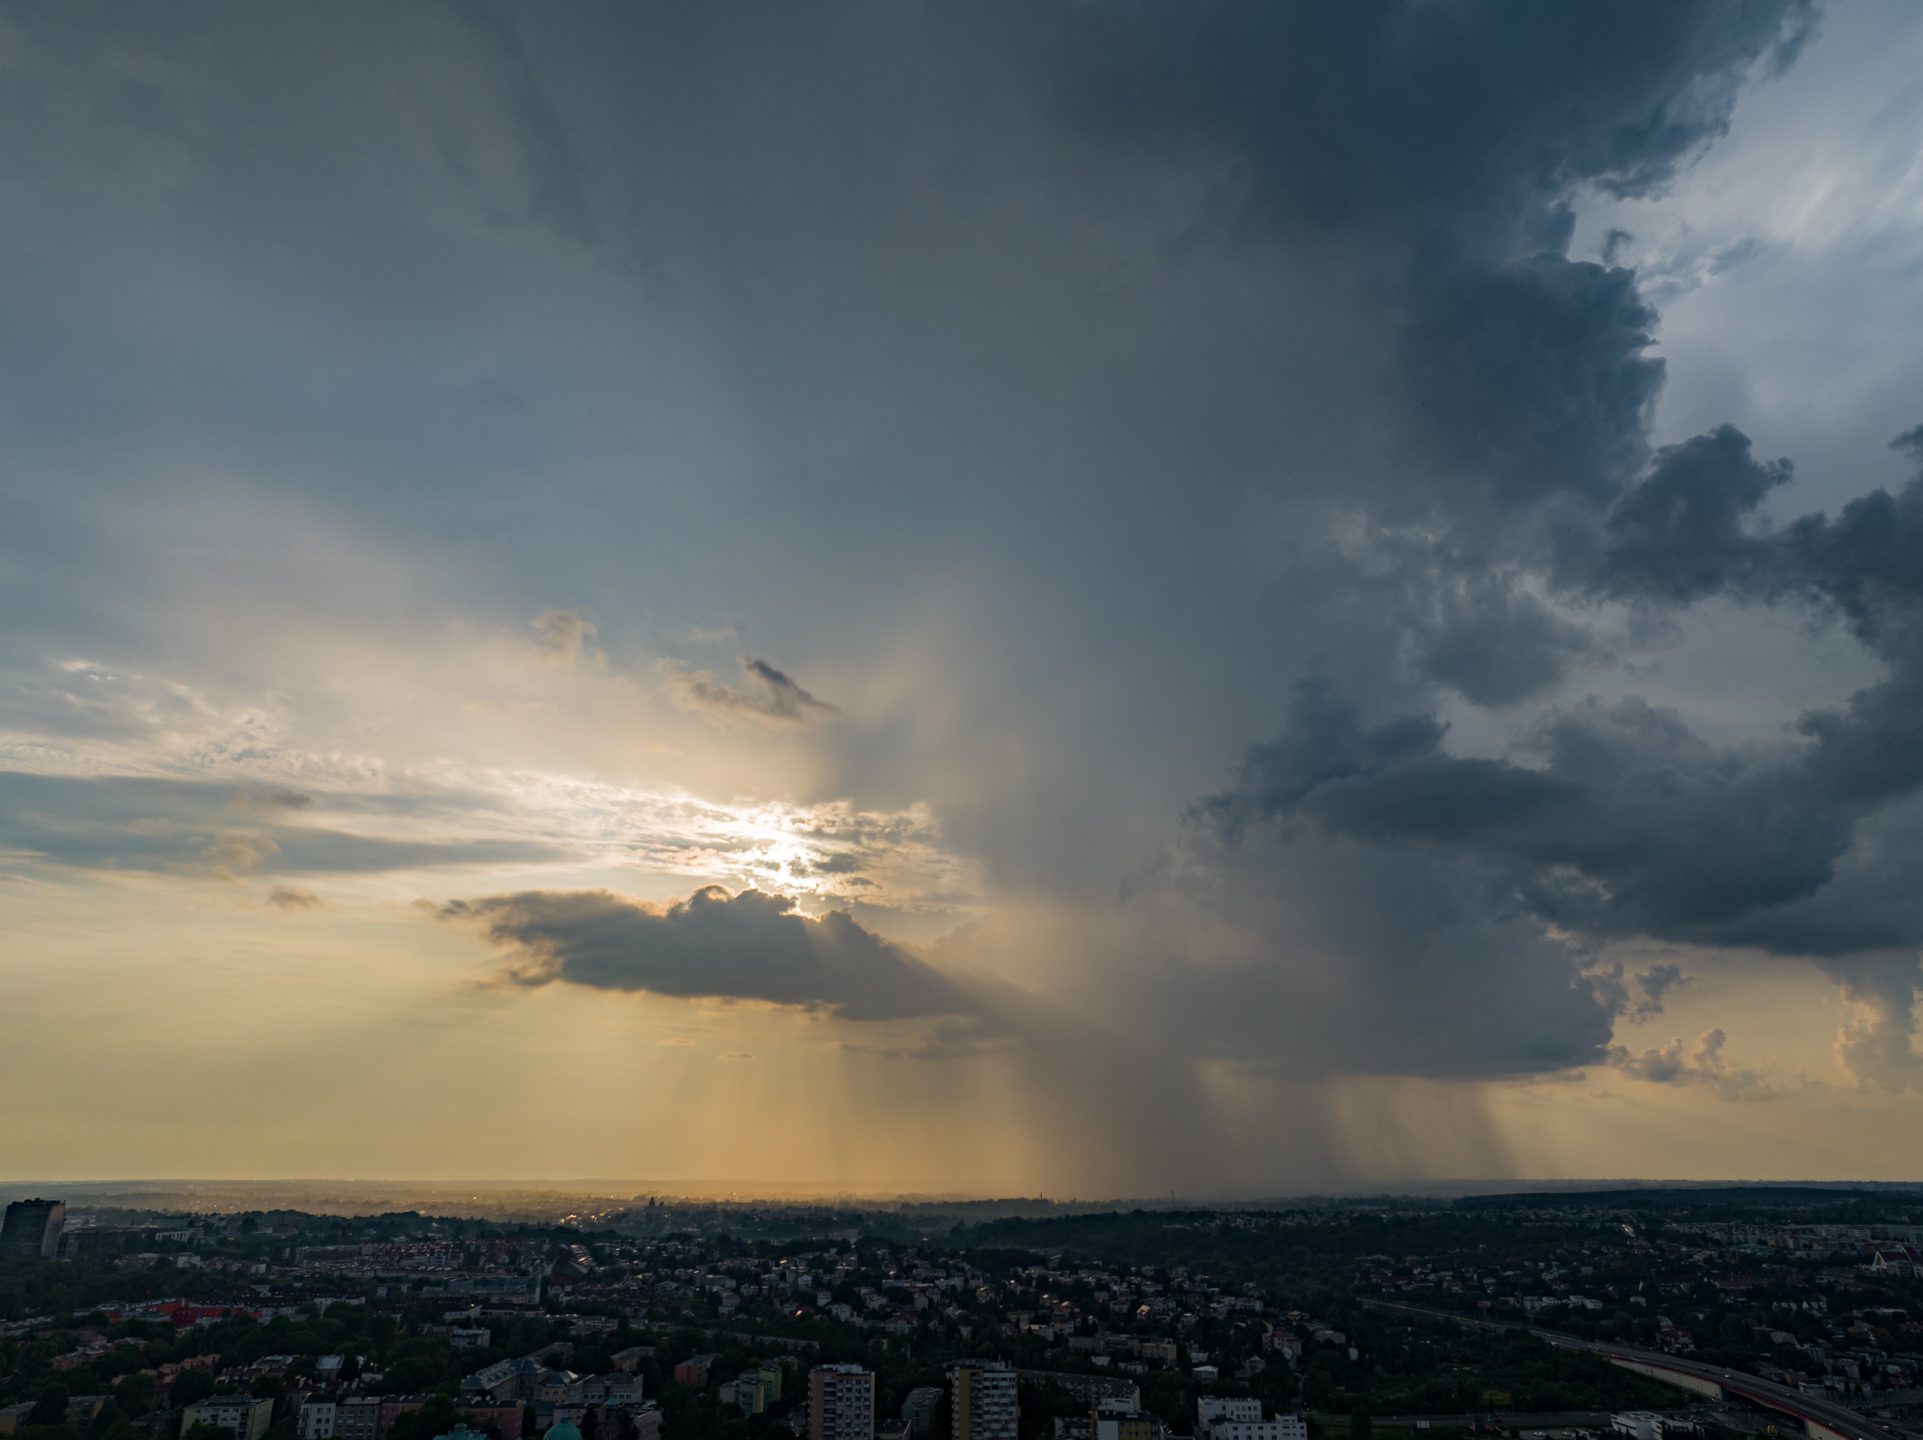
{"x":1089,"y":598}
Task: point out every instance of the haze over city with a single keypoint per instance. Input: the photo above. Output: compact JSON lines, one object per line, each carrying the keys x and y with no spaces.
{"x":1077,"y":600}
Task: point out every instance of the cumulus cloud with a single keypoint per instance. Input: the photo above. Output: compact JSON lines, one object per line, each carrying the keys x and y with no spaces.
{"x":770,"y":697}
{"x":1703,"y":1064}
{"x":1875,"y":1041}
{"x":711,"y":945}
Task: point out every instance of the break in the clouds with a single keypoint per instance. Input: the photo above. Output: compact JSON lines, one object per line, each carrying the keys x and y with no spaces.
{"x":1284,"y":543}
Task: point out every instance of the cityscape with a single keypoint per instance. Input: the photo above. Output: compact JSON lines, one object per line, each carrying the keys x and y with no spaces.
{"x":1715,"y":1313}
{"x":961,"y":719}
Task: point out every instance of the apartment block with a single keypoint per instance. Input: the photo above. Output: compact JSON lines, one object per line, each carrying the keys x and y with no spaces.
{"x":841,"y":1403}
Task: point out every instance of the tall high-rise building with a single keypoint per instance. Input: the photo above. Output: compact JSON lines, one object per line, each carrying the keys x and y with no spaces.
{"x":841,"y":1403}
{"x":32,"y":1227}
{"x":982,"y":1401}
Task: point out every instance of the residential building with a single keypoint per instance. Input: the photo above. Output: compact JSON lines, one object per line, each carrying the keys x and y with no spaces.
{"x":919,"y":1410}
{"x":1117,"y":1422}
{"x":747,"y":1392}
{"x":1229,"y":1419}
{"x":507,"y":1379}
{"x":770,"y":1371}
{"x":841,"y":1403}
{"x":1090,"y":1390}
{"x":1282,"y":1427}
{"x":1210,"y":1408}
{"x":12,"y":1417}
{"x":629,"y":1360}
{"x":247,"y":1417}
{"x":317,"y":1415}
{"x":614,"y":1388}
{"x":982,"y":1401}
{"x":647,"y":1421}
{"x":32,"y":1227}
{"x":392,"y":1408}
{"x":82,"y":1408}
{"x":357,"y":1417}
{"x":503,"y":1416}
{"x":694,"y":1370}
{"x":1159,"y":1352}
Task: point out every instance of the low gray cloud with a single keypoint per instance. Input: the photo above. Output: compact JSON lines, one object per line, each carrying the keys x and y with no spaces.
{"x":564,"y":635}
{"x":271,"y":800}
{"x":236,"y":853}
{"x":746,"y":946}
{"x":1703,"y":1064}
{"x":180,"y":826}
{"x":1656,"y":982}
{"x":292,"y":897}
{"x":769,"y":697}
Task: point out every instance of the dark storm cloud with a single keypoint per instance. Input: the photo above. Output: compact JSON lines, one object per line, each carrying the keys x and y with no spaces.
{"x":747,"y":946}
{"x":1523,"y":395}
{"x":1532,"y":378}
{"x":1626,"y":822}
{"x":1393,"y":112}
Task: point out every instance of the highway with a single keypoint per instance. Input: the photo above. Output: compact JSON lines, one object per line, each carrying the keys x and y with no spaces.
{"x":1818,"y":1415}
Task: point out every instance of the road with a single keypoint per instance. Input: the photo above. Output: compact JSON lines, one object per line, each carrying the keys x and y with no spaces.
{"x":1838,"y":1420}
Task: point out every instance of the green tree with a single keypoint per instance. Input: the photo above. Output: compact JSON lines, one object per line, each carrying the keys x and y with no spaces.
{"x":51,"y":1407}
{"x":135,"y":1393}
{"x":111,"y":1423}
{"x":189,"y":1386}
{"x":1360,"y":1424}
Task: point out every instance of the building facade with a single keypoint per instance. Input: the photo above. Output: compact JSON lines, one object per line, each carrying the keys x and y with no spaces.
{"x":841,"y":1403}
{"x":247,"y":1417}
{"x":32,"y":1227}
{"x":357,"y":1417}
{"x":919,"y":1410}
{"x":317,"y":1414}
{"x":982,"y":1401}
